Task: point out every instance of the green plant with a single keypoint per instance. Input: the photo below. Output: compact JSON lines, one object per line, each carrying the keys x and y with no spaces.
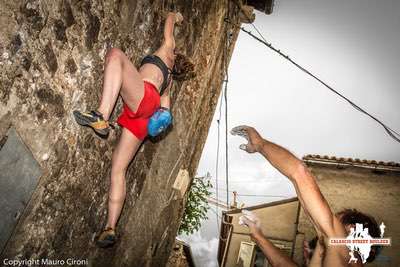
{"x":196,"y":205}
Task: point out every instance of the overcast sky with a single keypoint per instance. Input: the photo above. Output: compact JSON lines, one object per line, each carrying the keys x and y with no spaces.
{"x":354,"y":47}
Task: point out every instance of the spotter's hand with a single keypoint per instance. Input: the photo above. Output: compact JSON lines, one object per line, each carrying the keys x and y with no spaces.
{"x":250,"y":220}
{"x":254,"y":139}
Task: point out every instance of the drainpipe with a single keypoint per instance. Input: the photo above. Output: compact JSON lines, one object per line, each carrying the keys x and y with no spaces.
{"x":296,"y":225}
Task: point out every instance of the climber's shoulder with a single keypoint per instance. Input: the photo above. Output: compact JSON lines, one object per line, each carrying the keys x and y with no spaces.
{"x":166,"y":48}
{"x":167,"y":55}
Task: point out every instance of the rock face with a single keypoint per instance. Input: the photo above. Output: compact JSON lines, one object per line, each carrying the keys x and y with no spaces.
{"x":51,"y":62}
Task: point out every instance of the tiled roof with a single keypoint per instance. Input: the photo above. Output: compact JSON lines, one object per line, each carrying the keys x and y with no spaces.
{"x":350,"y":161}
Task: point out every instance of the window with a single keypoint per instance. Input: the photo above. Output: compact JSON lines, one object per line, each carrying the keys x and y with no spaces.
{"x":250,"y":255}
{"x":246,"y":254}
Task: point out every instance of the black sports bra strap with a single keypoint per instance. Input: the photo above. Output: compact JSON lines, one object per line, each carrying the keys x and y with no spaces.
{"x":153,"y":59}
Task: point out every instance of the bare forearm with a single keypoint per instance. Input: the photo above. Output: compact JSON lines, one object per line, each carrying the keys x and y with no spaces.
{"x":280,"y":158}
{"x":169,"y":29}
{"x":165,"y":101}
{"x":274,"y":255}
{"x":308,"y":192}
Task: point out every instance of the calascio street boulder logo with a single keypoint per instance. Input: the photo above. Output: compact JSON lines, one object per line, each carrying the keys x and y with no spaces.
{"x":360,"y":241}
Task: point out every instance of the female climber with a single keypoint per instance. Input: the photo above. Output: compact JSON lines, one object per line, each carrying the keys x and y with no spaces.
{"x":145,"y":93}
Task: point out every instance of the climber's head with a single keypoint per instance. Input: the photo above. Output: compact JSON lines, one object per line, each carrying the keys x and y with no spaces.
{"x":350,"y":217}
{"x":183,"y":68}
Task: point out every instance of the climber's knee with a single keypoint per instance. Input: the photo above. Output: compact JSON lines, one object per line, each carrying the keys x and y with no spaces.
{"x":117,"y":171}
{"x":118,"y":186}
{"x":116,"y":197}
{"x":114,"y":54}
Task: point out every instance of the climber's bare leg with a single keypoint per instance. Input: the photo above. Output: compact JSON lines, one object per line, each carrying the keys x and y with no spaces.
{"x":120,"y":77}
{"x":124,"y":152}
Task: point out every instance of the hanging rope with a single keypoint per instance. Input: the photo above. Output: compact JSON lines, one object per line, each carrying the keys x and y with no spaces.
{"x":262,"y":195}
{"x":218,"y":145}
{"x":226,"y":56}
{"x":392,"y":133}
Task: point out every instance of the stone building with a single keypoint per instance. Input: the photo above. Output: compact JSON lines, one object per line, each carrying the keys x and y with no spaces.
{"x":181,"y":255}
{"x":279,"y":223}
{"x":369,"y":186}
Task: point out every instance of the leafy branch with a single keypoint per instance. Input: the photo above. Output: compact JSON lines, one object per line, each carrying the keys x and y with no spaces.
{"x":196,"y":205}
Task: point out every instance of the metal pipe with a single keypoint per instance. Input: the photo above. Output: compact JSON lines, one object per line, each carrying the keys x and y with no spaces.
{"x":296,"y":225}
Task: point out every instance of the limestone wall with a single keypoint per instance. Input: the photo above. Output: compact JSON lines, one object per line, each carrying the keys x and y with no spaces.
{"x":51,"y":62}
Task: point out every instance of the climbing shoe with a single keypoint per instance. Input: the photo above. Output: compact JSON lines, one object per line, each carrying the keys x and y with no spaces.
{"x":93,"y":119}
{"x":107,"y":238}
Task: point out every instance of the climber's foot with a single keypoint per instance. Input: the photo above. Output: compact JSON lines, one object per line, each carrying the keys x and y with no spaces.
{"x":107,"y":238}
{"x":93,"y":119}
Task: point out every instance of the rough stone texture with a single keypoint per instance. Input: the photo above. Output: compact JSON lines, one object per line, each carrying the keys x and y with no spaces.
{"x":51,"y":58}
{"x":180,"y":256}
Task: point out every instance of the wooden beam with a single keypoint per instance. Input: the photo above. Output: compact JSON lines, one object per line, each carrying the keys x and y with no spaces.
{"x":265,"y":6}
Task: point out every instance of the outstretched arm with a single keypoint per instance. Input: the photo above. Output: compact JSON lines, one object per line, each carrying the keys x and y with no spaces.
{"x":311,"y":199}
{"x":172,"y":18}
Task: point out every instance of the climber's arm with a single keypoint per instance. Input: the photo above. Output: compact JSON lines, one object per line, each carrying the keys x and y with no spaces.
{"x":162,"y":117}
{"x":165,"y":100}
{"x":172,"y":18}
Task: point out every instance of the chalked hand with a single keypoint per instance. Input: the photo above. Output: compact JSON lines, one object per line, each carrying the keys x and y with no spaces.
{"x":249,"y":217}
{"x":250,"y":220}
{"x":251,"y":135}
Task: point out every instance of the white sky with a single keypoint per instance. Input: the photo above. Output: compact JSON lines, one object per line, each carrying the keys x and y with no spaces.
{"x":351,"y":45}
